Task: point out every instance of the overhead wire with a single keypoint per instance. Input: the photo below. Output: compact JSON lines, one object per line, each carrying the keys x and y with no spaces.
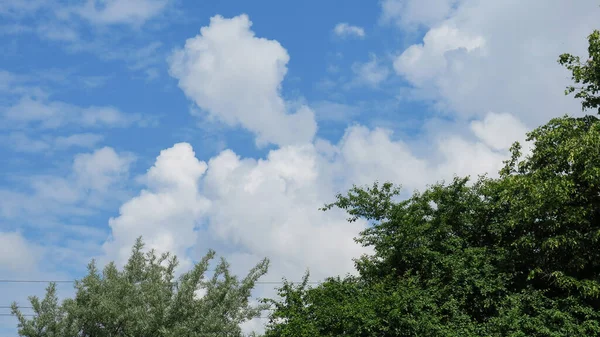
{"x":73,"y":281}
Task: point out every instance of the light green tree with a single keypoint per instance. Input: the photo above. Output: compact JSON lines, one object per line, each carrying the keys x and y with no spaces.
{"x":145,"y":299}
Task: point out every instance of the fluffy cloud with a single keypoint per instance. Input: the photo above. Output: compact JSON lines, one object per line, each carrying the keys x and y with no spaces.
{"x":236,"y":77}
{"x":166,"y":212}
{"x":471,"y":62}
{"x":270,"y":208}
{"x":422,"y":63}
{"x":101,"y":169}
{"x":499,"y":130}
{"x":344,"y":29}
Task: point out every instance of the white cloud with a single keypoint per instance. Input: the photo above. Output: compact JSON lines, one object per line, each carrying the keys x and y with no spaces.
{"x":97,"y":12}
{"x":88,"y":140}
{"x":226,"y":60}
{"x":166,"y":212}
{"x":21,"y":7}
{"x":336,"y":112}
{"x":57,"y":32}
{"x":22,"y":142}
{"x":344,"y":29}
{"x":134,"y":12}
{"x":421,"y":63}
{"x":95,"y":180}
{"x":499,"y":130}
{"x":101,"y":169}
{"x":370,"y":73}
{"x":410,"y":14}
{"x":38,"y":112}
{"x":472,"y":62}
{"x":370,"y":155}
{"x":270,"y":208}
{"x":16,"y":254}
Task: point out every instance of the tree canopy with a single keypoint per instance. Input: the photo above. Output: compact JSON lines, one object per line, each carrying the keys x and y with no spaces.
{"x":515,"y":255}
{"x":146,"y":299}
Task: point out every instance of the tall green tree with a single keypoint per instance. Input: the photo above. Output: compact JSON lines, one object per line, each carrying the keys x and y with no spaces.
{"x":515,"y":255}
{"x":146,"y":299}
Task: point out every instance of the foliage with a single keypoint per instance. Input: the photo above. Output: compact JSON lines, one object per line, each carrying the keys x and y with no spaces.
{"x":146,"y":299}
{"x":514,"y":256}
{"x":586,"y":73}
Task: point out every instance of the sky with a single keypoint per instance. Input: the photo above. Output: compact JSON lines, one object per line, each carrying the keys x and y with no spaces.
{"x":226,"y":124}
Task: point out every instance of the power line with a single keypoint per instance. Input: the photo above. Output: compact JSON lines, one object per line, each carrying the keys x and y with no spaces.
{"x":73,"y":281}
{"x":33,"y":315}
{"x":30,"y":307}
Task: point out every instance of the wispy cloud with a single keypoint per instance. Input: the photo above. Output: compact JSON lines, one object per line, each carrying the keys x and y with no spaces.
{"x":370,"y":73}
{"x":21,"y":142}
{"x":347,"y":30}
{"x":96,"y":27}
{"x":42,"y":114}
{"x":132,"y":12}
{"x":94,"y":180}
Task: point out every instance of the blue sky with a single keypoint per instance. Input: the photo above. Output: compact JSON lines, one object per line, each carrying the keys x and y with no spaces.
{"x":225,"y":125}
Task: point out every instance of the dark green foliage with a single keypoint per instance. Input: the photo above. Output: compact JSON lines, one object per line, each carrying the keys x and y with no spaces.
{"x":145,"y":299}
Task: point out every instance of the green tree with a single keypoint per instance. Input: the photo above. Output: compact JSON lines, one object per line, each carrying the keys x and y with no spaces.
{"x":146,"y":299}
{"x":586,"y":73}
{"x":515,"y":255}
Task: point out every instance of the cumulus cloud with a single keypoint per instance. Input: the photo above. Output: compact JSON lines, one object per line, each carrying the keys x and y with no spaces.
{"x":421,"y":63}
{"x":499,"y":130}
{"x":270,"y":208}
{"x":166,"y":212}
{"x":344,"y":29}
{"x":236,"y":77}
{"x":471,"y":62}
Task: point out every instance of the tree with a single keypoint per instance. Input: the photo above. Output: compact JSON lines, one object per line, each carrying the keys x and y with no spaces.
{"x":145,"y":299}
{"x":515,"y":255}
{"x":585,"y":73}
